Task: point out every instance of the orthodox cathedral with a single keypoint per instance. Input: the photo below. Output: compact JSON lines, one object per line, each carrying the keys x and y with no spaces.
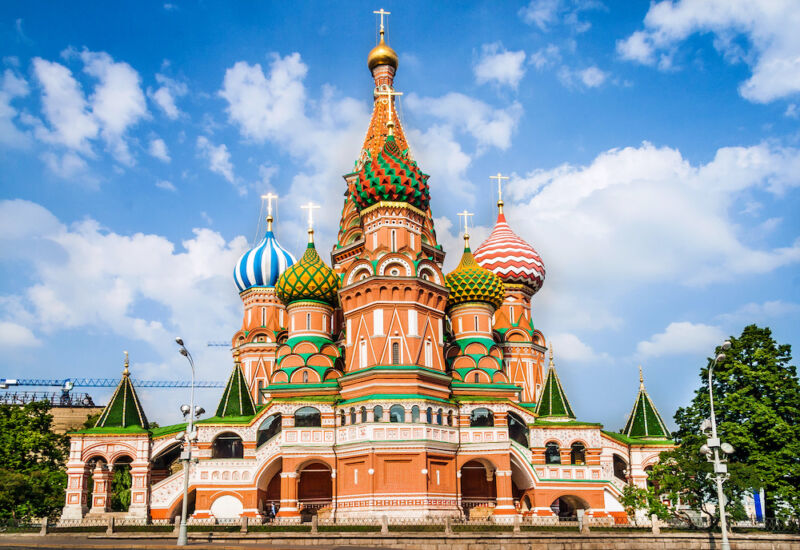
{"x":376,"y":384}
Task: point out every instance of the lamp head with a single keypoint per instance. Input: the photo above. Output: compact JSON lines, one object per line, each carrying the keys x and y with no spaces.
{"x":179,"y":436}
{"x":179,"y":340}
{"x":184,"y":352}
{"x":185,"y":409}
{"x":720,"y":358}
{"x":727,"y":448}
{"x":198,"y":410}
{"x":705,"y":450}
{"x":705,"y":425}
{"x":726,"y":345}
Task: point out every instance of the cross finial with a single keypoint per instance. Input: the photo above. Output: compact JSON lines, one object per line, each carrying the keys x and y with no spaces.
{"x":310,"y":206}
{"x":499,"y":177}
{"x":552,"y":364}
{"x":382,"y":12}
{"x":269,"y":197}
{"x":465,"y":216}
{"x":641,"y":379}
{"x":389,"y":93}
{"x":125,"y":372}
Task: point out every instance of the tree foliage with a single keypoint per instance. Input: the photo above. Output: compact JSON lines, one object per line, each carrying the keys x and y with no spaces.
{"x":757,"y":406}
{"x":32,"y":458}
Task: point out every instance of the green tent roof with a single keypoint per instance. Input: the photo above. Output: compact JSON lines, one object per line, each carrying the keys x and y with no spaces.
{"x":553,"y":403}
{"x":644,"y":421}
{"x":124,"y":409}
{"x":236,"y":399}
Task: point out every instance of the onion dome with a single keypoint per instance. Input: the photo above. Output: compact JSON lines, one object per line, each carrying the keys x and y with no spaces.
{"x":262,"y":265}
{"x":469,"y":282}
{"x":308,"y":279}
{"x":391,"y":176}
{"x":382,"y":54}
{"x":510,"y":257}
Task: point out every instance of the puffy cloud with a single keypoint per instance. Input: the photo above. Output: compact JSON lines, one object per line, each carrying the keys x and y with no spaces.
{"x":68,"y":166}
{"x":682,"y":338}
{"x":769,"y":27}
{"x":166,"y":185}
{"x":218,"y":156}
{"x":64,"y":105}
{"x":165,"y":96}
{"x":545,"y":57}
{"x":13,"y":335}
{"x":753,"y":312}
{"x":590,"y":77}
{"x":84,"y":276}
{"x":11,"y":87}
{"x":545,"y":14}
{"x":489,"y":126}
{"x":496,"y":64}
{"x":541,"y":13}
{"x":569,"y":347}
{"x":158,"y":149}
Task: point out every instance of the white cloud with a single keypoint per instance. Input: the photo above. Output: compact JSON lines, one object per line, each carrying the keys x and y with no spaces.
{"x":64,"y":105}
{"x":117,"y":102}
{"x":158,"y":149}
{"x":682,"y":338}
{"x":569,"y":347}
{"x":68,"y":166}
{"x":218,"y":156}
{"x":769,"y":27}
{"x":547,"y":13}
{"x":754,"y":312}
{"x":792,"y":111}
{"x":496,"y":64}
{"x":489,"y":126}
{"x":542,"y":13}
{"x":545,"y":57}
{"x":166,"y":95}
{"x":11,"y":87}
{"x":84,"y":276}
{"x":590,"y":77}
{"x":166,"y":185}
{"x":13,"y":335}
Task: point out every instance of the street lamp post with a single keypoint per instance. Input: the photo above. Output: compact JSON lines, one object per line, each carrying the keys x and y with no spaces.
{"x":714,"y":447}
{"x":188,"y":437}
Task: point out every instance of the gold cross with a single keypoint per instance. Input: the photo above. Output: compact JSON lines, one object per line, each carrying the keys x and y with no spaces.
{"x":310,"y":206}
{"x":466,"y":216}
{"x":389,"y":93}
{"x":382,"y":12}
{"x":499,"y":177}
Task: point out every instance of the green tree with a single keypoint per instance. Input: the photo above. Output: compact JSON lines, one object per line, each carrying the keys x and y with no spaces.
{"x":757,"y":406}
{"x":32,"y":458}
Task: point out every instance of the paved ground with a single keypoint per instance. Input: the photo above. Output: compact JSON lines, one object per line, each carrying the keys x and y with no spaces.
{"x":74,"y":542}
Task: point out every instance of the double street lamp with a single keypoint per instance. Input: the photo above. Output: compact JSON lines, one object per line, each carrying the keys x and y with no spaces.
{"x":187,"y":437}
{"x":713,"y":449}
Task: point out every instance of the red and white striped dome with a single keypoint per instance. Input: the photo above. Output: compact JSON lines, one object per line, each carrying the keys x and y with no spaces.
{"x":511,"y":258}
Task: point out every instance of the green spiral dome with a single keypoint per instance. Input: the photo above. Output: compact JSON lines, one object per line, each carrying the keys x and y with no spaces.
{"x":469,"y":282}
{"x":308,"y":279}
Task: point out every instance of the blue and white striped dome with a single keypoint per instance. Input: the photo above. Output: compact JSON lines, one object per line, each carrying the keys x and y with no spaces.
{"x":262,"y":265}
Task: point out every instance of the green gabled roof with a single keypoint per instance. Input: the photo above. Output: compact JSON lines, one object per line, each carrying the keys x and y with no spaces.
{"x":644,"y":422}
{"x":124,"y":409}
{"x":236,"y":399}
{"x":553,"y":402}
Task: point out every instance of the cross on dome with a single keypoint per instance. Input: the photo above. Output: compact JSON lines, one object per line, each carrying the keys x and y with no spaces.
{"x":382,"y":12}
{"x":465,"y":216}
{"x":389,"y":93}
{"x":269,"y":197}
{"x":310,"y":206}
{"x":499,"y":177}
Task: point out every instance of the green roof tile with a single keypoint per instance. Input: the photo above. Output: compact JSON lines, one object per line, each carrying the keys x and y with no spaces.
{"x":553,"y":403}
{"x":236,"y":399}
{"x":644,"y":422}
{"x":124,"y":409}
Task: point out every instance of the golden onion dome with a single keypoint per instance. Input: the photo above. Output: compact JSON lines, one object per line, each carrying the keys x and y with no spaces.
{"x":382,"y":54}
{"x":469,"y":282}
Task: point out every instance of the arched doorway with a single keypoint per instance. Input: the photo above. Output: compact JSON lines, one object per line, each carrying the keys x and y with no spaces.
{"x":269,"y":488}
{"x":478,"y":486}
{"x":314,"y":488}
{"x":567,"y":506}
{"x":121,"y":484}
{"x":620,"y":468}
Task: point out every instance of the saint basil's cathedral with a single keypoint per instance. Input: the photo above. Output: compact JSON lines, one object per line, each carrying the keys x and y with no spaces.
{"x":377,"y":384}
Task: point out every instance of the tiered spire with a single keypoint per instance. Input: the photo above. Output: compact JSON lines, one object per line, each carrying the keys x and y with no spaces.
{"x":236,"y":399}
{"x":644,"y":422}
{"x":553,"y":404}
{"x":124,"y":409}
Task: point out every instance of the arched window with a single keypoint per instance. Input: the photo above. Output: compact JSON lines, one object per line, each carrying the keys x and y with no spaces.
{"x":305,"y":377}
{"x":269,"y":428}
{"x":395,"y":353}
{"x":481,"y":418}
{"x":227,"y":445}
{"x":450,"y":418}
{"x":517,"y":429}
{"x":397,"y":414}
{"x":552,"y":454}
{"x":308,"y":321}
{"x":620,"y":468}
{"x":415,"y":414}
{"x":577,"y":454}
{"x":307,"y":417}
{"x":477,"y":379}
{"x":377,"y":413}
{"x":439,"y":417}
{"x":429,"y":415}
{"x":363,"y":414}
{"x":352,"y":415}
{"x":343,"y":418}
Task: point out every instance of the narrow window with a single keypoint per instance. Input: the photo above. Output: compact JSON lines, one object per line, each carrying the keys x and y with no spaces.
{"x":415,"y":413}
{"x":477,"y":378}
{"x":450,"y":418}
{"x":377,"y":413}
{"x":355,"y":476}
{"x":395,"y":353}
{"x":411,"y":239}
{"x":429,"y":415}
{"x":476,"y":323}
{"x":428,"y":354}
{"x":460,"y":325}
{"x":352,"y":416}
{"x":293,"y":323}
{"x":363,"y":414}
{"x":343,"y":417}
{"x":375,"y":240}
{"x":305,"y":377}
{"x":263,"y":316}
{"x":437,"y":478}
{"x":325,"y":322}
{"x":394,"y":240}
{"x":308,"y":321}
{"x":349,"y":332}
{"x":362,"y":354}
{"x":280,"y":317}
{"x":439,"y":417}
{"x":511,"y":309}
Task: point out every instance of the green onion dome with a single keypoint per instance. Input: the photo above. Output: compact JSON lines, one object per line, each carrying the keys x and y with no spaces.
{"x":392,"y":176}
{"x":308,"y":279}
{"x":469,"y":282}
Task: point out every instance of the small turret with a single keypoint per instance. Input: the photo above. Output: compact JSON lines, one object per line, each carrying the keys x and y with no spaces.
{"x":124,"y":409}
{"x":644,"y":422}
{"x":553,"y":404}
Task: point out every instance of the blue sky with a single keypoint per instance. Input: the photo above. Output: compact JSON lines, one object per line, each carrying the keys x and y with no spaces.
{"x":653,"y":151}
